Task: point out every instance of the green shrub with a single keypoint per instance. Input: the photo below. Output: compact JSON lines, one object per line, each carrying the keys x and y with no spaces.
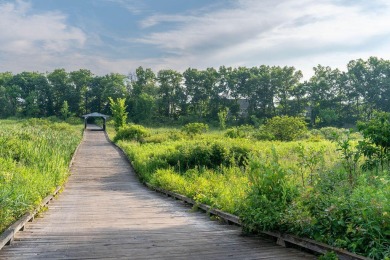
{"x":169,"y":180}
{"x":376,"y":146}
{"x":199,"y":155}
{"x":268,"y":197}
{"x":132,"y":132}
{"x":60,"y":126}
{"x":331,"y":133}
{"x":239,"y":154}
{"x":243,"y":131}
{"x":156,"y":138}
{"x":355,"y":219}
{"x":53,"y":119}
{"x":264,"y":135}
{"x":233,"y":133}
{"x":65,"y":113}
{"x":285,"y":128}
{"x":193,"y":129}
{"x":310,"y":160}
{"x":175,"y":135}
{"x":11,"y":147}
{"x":38,"y":122}
{"x":209,"y":155}
{"x":74,"y":120}
{"x":222,"y":117}
{"x":118,"y":110}
{"x":315,"y":138}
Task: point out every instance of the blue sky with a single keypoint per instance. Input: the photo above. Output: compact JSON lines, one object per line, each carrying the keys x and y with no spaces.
{"x":119,"y":35}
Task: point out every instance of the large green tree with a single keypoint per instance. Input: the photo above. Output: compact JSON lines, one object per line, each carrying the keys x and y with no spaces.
{"x":8,"y":95}
{"x":61,"y":89}
{"x":81,"y":81}
{"x":323,"y":94}
{"x":371,"y":80}
{"x":143,"y":94}
{"x":284,"y":81}
{"x":198,"y":91}
{"x":170,"y":93}
{"x":33,"y":94}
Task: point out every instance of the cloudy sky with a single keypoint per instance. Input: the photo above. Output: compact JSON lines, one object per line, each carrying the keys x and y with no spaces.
{"x":120,"y":35}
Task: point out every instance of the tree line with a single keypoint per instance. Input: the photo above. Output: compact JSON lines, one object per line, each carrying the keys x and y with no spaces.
{"x":249,"y":95}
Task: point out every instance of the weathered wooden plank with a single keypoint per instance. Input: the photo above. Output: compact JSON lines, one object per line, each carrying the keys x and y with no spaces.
{"x":105,"y":213}
{"x":316,"y":246}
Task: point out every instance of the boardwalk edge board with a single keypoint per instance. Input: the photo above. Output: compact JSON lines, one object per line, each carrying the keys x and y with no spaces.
{"x":282,"y":239}
{"x":7,"y":237}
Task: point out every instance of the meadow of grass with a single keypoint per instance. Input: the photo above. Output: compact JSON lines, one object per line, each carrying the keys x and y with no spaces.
{"x":34,"y":160}
{"x":305,"y":187}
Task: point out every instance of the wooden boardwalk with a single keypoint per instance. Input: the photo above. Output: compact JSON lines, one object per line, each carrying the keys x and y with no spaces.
{"x":105,"y":213}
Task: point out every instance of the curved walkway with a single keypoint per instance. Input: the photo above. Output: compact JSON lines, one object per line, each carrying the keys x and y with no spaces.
{"x":105,"y":213}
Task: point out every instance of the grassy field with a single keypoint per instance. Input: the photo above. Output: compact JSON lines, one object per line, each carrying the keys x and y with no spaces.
{"x":305,"y":187}
{"x":34,"y":159}
{"x":311,"y":187}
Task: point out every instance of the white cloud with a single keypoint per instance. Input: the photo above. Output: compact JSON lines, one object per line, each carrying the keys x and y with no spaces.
{"x":278,"y":33}
{"x":133,"y":6}
{"x":157,"y":19}
{"x":24,"y":33}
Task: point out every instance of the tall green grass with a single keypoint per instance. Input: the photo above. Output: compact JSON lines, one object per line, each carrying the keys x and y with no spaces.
{"x":34,"y":159}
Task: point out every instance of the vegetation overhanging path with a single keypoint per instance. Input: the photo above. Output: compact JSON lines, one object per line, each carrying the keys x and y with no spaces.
{"x":106,"y":213}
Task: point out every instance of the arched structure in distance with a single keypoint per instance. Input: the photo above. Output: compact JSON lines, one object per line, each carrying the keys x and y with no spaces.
{"x":95,"y":114}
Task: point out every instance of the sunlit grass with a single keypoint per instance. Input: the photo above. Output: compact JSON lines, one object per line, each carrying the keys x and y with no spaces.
{"x":34,"y":159}
{"x":303,"y":184}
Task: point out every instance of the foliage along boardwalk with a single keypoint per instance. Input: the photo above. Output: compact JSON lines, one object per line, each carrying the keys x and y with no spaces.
{"x":104,"y":212}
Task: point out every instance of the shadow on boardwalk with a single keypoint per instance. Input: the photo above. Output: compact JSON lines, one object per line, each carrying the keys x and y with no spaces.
{"x":105,"y":213}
